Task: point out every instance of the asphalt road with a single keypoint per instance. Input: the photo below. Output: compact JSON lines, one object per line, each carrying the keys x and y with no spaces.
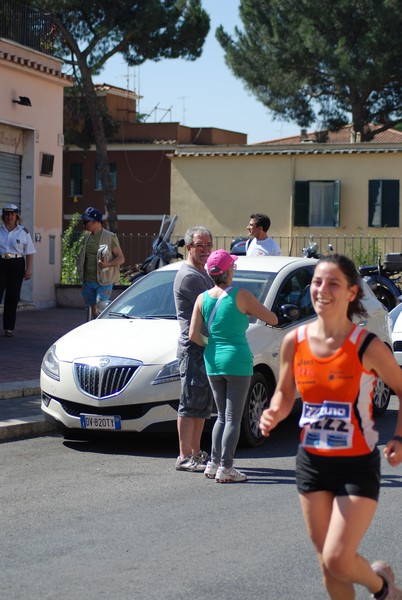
{"x":114,"y":520}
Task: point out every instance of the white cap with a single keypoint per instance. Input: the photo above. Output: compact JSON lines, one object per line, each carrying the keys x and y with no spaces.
{"x":10,"y":208}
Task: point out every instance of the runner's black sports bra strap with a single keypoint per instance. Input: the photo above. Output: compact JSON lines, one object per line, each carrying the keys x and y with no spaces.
{"x":369,"y":337}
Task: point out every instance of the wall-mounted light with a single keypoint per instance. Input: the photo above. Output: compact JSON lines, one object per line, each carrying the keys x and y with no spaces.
{"x":24,"y":101}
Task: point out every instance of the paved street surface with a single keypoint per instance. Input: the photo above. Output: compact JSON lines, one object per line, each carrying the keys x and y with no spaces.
{"x":35,"y":332}
{"x":112,"y":520}
{"x":20,"y":361}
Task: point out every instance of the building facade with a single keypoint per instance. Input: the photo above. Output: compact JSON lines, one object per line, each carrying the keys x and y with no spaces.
{"x":31,"y":150}
{"x":138,"y":159}
{"x":329,"y":190}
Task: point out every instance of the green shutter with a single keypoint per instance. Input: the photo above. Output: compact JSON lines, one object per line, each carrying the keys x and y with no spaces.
{"x":390,"y":203}
{"x":301,"y":204}
{"x":337,"y":202}
{"x":374,"y":190}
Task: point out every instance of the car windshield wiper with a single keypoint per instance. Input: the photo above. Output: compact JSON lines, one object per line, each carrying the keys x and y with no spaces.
{"x":128,"y":316}
{"x":172,"y":317}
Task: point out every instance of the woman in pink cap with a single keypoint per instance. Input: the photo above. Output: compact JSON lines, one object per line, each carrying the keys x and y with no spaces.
{"x":228,"y":359}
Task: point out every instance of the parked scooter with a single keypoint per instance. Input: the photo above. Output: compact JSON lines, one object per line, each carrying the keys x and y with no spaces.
{"x":312,"y":251}
{"x":163,"y":251}
{"x":385,"y":279}
{"x":238,"y":245}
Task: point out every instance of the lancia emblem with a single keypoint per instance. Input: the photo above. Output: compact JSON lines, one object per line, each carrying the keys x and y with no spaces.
{"x":103,"y":362}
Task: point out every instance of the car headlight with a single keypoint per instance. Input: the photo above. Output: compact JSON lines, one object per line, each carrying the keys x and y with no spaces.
{"x":169,"y":372}
{"x":50,"y":363}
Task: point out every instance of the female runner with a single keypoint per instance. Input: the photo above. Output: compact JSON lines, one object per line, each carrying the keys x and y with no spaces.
{"x":334,"y":363}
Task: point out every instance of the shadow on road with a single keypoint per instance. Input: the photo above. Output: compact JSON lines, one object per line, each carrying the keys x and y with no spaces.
{"x":283,"y":442}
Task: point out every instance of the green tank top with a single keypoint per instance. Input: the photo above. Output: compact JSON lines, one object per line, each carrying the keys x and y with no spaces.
{"x":227,"y":352}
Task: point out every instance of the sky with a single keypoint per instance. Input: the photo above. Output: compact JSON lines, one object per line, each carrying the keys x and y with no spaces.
{"x":201,"y":93}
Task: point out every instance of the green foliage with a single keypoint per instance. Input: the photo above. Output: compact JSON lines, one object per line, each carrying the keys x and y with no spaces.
{"x":363,"y":251}
{"x":71,"y":244}
{"x":321,"y":60}
{"x":89,"y":33}
{"x":140,"y":30}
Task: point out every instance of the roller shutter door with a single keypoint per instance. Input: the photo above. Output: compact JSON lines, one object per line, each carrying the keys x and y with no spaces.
{"x":10,"y":179}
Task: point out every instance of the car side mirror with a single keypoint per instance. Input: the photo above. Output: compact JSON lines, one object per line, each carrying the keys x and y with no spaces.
{"x":103,"y":305}
{"x":288,"y":313}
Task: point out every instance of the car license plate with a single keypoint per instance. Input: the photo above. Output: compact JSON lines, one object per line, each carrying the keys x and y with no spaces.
{"x":104,"y":422}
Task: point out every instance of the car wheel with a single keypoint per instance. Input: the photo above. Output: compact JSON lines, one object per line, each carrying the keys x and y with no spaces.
{"x":258,"y":398}
{"x":385,"y":297}
{"x":381,"y":398}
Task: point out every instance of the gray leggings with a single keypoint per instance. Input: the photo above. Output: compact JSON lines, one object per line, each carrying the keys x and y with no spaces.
{"x":230,"y":392}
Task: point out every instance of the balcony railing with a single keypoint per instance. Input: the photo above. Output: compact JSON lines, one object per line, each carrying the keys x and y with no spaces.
{"x":27,"y":26}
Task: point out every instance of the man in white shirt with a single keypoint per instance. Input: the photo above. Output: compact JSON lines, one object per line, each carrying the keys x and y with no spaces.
{"x":261,"y":244}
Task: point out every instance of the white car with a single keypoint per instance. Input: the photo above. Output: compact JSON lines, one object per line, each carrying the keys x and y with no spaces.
{"x":395,"y":317}
{"x":119,"y":372}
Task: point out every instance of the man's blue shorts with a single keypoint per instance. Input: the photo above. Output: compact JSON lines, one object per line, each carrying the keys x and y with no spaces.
{"x":94,"y":293}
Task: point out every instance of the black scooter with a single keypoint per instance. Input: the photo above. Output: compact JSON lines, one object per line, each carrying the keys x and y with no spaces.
{"x":384,"y":279}
{"x":312,"y":251}
{"x":163,"y":251}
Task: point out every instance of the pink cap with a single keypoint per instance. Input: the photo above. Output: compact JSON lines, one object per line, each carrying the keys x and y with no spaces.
{"x":219,"y":262}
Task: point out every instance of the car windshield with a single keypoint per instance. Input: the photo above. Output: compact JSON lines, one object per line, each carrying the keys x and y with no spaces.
{"x":151,"y":297}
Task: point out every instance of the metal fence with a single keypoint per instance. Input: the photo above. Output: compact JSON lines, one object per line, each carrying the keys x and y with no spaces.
{"x":361,"y":249}
{"x":28,"y":26}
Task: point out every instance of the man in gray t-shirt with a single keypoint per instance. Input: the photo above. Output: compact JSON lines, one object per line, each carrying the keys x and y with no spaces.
{"x":196,"y":396}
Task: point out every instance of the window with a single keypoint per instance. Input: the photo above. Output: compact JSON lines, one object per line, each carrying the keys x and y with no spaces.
{"x":76,"y":179}
{"x":383,"y":203}
{"x":98,"y":183}
{"x":47,"y":165}
{"x":295,"y":290}
{"x":316,"y":203}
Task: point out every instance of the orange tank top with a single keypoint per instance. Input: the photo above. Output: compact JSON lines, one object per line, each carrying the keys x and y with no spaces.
{"x":337,"y":393}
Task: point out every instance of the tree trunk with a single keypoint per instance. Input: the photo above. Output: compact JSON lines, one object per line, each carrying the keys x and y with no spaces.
{"x":102,"y":159}
{"x":95,"y":114}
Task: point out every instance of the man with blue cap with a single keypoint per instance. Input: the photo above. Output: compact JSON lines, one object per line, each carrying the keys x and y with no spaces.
{"x":98,"y":263}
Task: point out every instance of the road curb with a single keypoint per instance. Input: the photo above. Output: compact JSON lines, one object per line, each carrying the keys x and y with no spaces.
{"x":19,"y":389}
{"x":28,"y":427}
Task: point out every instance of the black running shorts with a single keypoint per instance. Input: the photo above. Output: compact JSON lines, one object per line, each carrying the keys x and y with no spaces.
{"x":341,"y":475}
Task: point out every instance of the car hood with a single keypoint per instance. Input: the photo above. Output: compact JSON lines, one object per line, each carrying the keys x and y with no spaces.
{"x":152,"y":341}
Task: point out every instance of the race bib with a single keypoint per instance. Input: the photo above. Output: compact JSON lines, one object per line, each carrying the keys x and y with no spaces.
{"x":327,"y":426}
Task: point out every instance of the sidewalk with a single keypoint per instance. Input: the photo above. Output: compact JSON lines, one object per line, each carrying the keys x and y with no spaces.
{"x":20,"y":361}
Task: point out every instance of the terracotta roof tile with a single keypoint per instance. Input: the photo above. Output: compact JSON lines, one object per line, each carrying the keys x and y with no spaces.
{"x":337,"y":137}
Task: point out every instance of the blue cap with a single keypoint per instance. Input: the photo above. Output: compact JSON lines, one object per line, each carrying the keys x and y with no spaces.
{"x":92,"y":214}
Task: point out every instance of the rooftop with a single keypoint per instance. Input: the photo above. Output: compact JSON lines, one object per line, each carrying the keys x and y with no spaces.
{"x":345,"y":135}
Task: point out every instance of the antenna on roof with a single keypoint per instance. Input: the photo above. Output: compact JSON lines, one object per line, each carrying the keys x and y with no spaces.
{"x":157,"y":108}
{"x":183,"y":98}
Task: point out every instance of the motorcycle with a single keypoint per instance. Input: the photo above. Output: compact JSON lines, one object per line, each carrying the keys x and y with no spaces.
{"x":163,"y":251}
{"x":311,"y":251}
{"x":384,"y":279}
{"x":238,"y":245}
